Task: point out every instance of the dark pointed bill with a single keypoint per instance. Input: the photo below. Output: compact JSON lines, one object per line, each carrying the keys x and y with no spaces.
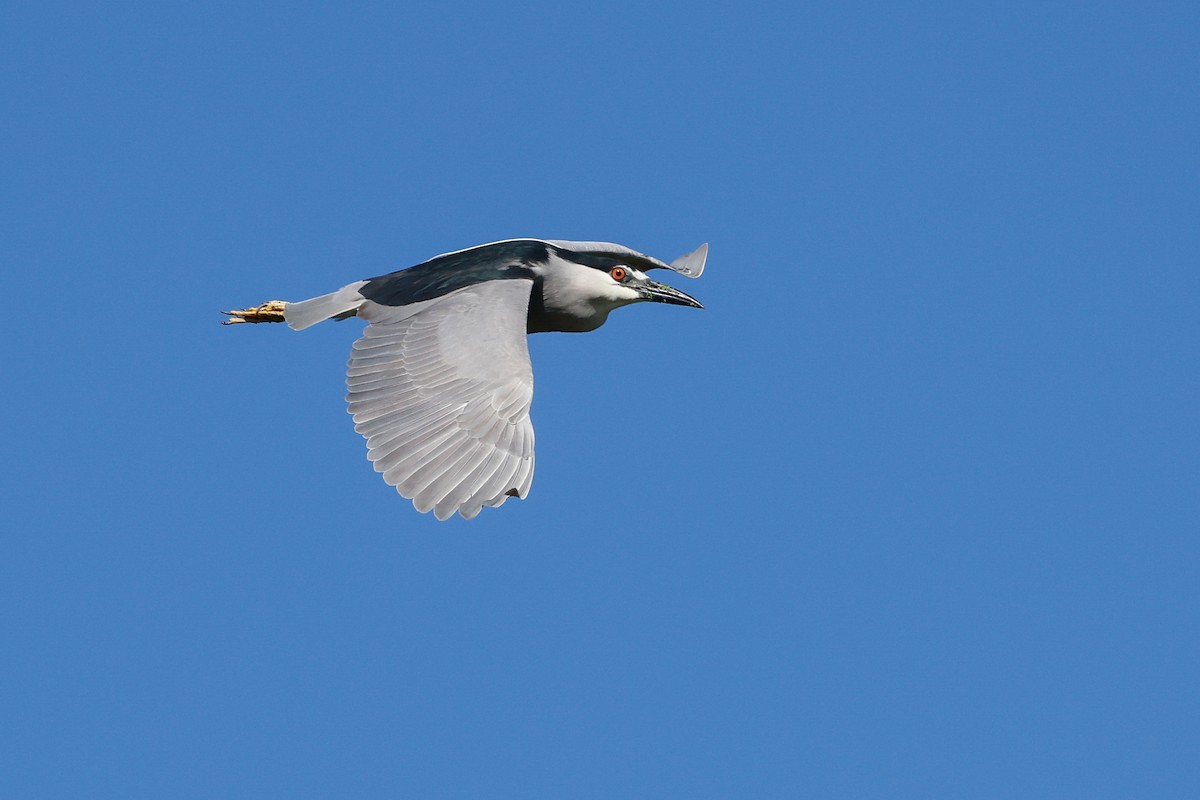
{"x":661,"y":293}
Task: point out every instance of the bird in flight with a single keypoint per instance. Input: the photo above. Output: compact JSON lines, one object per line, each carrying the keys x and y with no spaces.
{"x":440,"y":383}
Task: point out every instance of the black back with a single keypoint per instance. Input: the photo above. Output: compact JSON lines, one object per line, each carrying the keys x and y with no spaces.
{"x":444,"y":274}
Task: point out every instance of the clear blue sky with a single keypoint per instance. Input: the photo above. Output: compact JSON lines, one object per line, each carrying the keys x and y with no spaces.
{"x":909,"y":510}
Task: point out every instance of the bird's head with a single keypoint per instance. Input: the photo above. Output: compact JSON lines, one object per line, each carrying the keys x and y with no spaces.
{"x":624,"y":284}
{"x":586,"y":280}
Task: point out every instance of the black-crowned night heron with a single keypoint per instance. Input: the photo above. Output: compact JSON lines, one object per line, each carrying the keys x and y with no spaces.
{"x":440,"y":382}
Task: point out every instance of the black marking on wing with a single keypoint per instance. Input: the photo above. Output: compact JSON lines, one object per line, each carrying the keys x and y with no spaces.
{"x":444,"y":274}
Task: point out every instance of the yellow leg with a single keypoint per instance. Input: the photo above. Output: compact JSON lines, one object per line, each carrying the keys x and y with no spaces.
{"x":270,"y":311}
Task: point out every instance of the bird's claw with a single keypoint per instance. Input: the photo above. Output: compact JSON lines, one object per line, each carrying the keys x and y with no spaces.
{"x":270,"y":311}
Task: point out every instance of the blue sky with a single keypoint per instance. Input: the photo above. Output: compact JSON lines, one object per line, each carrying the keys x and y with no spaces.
{"x":909,"y":510}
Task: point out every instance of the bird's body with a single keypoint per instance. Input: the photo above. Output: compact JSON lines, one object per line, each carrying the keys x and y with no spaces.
{"x":440,"y":384}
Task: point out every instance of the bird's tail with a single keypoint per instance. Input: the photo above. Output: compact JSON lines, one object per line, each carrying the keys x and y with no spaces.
{"x":341,"y":304}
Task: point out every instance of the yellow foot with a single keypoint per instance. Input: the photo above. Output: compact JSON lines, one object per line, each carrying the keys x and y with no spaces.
{"x":270,"y":311}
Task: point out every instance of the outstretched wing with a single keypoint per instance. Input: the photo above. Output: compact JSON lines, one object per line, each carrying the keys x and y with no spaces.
{"x":441,"y":390}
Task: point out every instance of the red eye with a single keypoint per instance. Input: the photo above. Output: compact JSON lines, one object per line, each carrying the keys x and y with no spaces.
{"x":618,"y":273}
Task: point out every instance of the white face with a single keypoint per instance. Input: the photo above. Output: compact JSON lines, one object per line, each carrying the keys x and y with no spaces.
{"x":571,"y":284}
{"x":580,"y":297}
{"x":621,"y":281}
